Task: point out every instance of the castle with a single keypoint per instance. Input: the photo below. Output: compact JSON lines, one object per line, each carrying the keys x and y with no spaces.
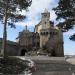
{"x":45,"y":34}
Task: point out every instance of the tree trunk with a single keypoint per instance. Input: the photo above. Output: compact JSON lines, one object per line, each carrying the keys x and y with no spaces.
{"x":3,"y":51}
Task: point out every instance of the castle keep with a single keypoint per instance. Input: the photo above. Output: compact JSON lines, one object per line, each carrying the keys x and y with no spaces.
{"x":45,"y":34}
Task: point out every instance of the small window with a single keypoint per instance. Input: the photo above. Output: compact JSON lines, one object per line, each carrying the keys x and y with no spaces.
{"x":41,"y":33}
{"x":45,"y":22}
{"x":53,"y":33}
{"x":50,"y":33}
{"x":45,"y":15}
{"x":46,"y":33}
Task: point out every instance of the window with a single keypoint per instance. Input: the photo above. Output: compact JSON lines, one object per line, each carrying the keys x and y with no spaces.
{"x":45,"y":15}
{"x":46,"y":33}
{"x":41,"y":33}
{"x":45,"y":22}
{"x":50,"y":33}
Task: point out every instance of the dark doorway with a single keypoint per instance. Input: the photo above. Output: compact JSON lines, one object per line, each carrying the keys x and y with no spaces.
{"x":53,"y":53}
{"x":23,"y":51}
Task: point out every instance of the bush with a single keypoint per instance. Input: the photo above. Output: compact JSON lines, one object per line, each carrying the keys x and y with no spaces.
{"x":12,"y":65}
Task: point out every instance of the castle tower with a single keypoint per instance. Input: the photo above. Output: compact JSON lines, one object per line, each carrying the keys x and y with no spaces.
{"x":45,"y":19}
{"x":45,"y":26}
{"x":50,"y":36}
{"x":45,"y":22}
{"x":45,"y":15}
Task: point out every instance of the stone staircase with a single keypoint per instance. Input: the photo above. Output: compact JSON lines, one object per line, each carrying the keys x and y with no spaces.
{"x":54,"y":73}
{"x":52,"y":66}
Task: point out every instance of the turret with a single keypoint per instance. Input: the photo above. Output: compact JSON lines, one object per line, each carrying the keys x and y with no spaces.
{"x":45,"y":15}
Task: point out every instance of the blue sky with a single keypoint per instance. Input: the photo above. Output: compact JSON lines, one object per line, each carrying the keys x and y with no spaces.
{"x":33,"y":18}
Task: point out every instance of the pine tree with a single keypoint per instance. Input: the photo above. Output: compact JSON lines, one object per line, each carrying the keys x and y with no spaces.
{"x":66,"y":10}
{"x":9,"y":13}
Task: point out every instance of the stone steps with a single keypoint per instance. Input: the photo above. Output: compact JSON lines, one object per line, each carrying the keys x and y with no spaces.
{"x":51,"y":66}
{"x":54,"y":73}
{"x":55,"y":67}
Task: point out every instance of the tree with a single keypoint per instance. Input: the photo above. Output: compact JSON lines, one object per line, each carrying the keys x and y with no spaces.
{"x":66,"y":10}
{"x":9,"y":13}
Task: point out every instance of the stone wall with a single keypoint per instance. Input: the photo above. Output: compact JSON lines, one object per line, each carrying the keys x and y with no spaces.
{"x":12,"y":48}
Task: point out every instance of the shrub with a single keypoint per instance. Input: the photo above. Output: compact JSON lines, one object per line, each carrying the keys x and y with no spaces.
{"x":12,"y":65}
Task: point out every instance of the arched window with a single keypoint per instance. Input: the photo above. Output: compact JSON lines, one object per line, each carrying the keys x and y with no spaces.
{"x":46,"y":33}
{"x":43,"y":33}
{"x":50,"y":33}
{"x":45,"y":22}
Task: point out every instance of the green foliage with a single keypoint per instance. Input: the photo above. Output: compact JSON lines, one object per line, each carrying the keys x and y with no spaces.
{"x":13,"y":9}
{"x":10,"y":13}
{"x":66,"y":10}
{"x":72,"y":37}
{"x":12,"y":66}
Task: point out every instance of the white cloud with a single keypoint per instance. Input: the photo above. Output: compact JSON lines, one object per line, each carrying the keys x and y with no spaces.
{"x":70,"y":32}
{"x":34,"y":13}
{"x":29,"y":23}
{"x":39,"y":5}
{"x":52,"y":15}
